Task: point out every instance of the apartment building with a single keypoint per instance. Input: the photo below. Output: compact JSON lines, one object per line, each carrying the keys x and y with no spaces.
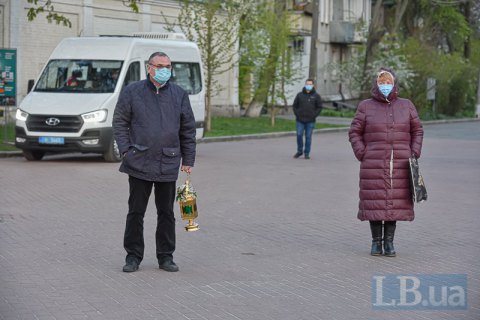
{"x":339,"y":30}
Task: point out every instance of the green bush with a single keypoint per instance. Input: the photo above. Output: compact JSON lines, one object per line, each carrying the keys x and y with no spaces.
{"x":456,"y":81}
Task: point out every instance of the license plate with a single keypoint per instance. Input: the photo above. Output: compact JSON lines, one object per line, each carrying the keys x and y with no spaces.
{"x":51,"y":140}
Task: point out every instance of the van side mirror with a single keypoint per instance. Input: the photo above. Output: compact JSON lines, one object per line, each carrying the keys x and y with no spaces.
{"x":30,"y":85}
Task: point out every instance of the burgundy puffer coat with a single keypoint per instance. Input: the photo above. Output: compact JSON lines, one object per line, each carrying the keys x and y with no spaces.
{"x":384,"y":133}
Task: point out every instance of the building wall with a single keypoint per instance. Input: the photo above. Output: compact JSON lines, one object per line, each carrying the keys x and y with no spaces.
{"x":36,"y":40}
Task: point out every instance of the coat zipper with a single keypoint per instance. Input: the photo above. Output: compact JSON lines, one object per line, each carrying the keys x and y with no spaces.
{"x":391,"y":153}
{"x":391,"y":169}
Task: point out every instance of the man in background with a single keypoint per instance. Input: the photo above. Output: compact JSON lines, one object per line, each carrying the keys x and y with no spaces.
{"x":306,"y":107}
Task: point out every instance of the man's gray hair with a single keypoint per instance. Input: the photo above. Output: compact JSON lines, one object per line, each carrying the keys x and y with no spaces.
{"x":157,"y":54}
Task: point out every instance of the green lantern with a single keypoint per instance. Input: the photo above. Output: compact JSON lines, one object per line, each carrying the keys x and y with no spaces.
{"x":187,"y":198}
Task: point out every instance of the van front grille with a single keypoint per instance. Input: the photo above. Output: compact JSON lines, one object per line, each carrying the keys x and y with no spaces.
{"x":51,"y":123}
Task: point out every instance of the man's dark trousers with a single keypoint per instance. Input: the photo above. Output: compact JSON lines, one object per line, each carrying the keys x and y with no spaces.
{"x":140,"y":191}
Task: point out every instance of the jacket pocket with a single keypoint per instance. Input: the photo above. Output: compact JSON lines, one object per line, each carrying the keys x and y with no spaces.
{"x":170,"y":161}
{"x":135,"y":158}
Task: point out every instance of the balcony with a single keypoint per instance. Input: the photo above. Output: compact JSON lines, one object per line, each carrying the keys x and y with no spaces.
{"x":342,"y":32}
{"x":300,"y":23}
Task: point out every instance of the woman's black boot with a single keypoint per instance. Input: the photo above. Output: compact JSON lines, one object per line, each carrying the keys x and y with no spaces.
{"x":388,"y":234}
{"x":376,"y":228}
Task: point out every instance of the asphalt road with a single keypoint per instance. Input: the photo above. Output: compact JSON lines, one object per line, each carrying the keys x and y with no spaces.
{"x":278,"y":237}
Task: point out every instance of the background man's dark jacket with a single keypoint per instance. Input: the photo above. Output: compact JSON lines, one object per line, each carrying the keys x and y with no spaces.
{"x":307,"y":106}
{"x":156,"y":129}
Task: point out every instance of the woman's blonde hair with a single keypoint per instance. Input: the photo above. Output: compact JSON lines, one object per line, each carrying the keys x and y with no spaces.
{"x":385,"y":77}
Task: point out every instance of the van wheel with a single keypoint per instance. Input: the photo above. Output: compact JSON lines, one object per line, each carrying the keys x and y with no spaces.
{"x":113,"y":153}
{"x":33,"y":155}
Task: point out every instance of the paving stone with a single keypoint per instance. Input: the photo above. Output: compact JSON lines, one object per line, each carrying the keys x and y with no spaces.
{"x":278,"y":238}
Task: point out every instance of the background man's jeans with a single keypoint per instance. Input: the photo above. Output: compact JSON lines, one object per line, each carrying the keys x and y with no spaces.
{"x":306,"y":128}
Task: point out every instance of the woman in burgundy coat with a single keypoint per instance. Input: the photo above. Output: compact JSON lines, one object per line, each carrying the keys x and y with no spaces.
{"x":384,"y":133}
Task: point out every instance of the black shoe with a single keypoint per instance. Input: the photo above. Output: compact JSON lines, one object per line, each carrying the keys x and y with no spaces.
{"x":168,"y":265}
{"x":388,"y":235}
{"x":389,"y":249}
{"x":307,"y":156}
{"x":131,"y":265}
{"x":376,"y":229}
{"x":297,"y":155}
{"x":376,"y":248}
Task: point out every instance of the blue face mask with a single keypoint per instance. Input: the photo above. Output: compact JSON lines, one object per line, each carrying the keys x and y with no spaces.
{"x":385,"y":89}
{"x":162,"y":75}
{"x":308,"y":87}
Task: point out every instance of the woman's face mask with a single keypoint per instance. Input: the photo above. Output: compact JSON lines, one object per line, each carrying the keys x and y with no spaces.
{"x":385,"y":89}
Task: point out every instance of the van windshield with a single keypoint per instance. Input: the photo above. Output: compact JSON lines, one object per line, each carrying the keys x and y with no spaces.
{"x":85,"y":76}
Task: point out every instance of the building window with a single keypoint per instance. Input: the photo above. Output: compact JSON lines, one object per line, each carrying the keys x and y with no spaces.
{"x":298,"y":44}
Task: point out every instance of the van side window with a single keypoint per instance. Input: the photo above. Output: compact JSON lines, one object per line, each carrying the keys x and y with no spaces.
{"x":133,"y":73}
{"x":187,"y":75}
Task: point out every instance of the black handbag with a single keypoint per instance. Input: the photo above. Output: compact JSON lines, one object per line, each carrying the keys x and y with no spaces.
{"x":417,"y":185}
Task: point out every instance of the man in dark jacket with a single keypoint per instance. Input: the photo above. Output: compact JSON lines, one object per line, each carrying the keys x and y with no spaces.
{"x":306,"y":106}
{"x":154,"y":128}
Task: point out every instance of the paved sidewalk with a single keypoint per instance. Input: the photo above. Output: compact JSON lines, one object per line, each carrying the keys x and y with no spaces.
{"x":279,"y":238}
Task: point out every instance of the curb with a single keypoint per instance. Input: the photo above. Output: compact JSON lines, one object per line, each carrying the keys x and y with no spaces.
{"x":266,"y":135}
{"x":9,"y":154}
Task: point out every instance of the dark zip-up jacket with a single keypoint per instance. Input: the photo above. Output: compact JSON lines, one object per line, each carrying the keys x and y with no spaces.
{"x":307,"y":106}
{"x":154,"y":129}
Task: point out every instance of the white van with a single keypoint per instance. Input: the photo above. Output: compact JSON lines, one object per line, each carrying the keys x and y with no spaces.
{"x":71,"y":105}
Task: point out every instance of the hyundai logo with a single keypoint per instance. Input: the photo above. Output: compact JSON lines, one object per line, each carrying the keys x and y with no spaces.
{"x":52,"y":121}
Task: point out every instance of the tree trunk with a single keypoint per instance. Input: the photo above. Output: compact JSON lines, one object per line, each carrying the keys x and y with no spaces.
{"x":467,"y":44}
{"x":209,"y":78}
{"x":399,"y":12}
{"x":376,"y":31}
{"x":267,"y":74}
{"x":208,"y":114}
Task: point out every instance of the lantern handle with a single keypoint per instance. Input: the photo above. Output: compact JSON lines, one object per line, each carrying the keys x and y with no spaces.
{"x":187,"y":183}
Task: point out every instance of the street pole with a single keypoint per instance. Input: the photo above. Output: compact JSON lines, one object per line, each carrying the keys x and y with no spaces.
{"x":312,"y":71}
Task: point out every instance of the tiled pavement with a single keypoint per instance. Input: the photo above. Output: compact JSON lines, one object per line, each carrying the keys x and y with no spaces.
{"x":279,"y":237}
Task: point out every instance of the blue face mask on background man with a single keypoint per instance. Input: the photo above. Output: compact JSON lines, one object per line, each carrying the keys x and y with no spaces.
{"x":308,"y":87}
{"x":385,"y":89}
{"x":162,"y":75}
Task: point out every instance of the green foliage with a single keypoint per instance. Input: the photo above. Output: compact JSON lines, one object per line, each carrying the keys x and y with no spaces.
{"x":223,"y":126}
{"x":7,"y":137}
{"x":339,"y":114}
{"x":213,"y":25}
{"x":48,"y":8}
{"x":265,"y":56}
{"x":434,"y":49}
{"x":456,"y":80}
{"x":389,"y":55}
{"x":53,"y":15}
{"x":445,"y":26}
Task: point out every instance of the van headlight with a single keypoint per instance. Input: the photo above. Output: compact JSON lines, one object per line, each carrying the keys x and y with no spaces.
{"x":21,"y":115}
{"x":96,"y":116}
